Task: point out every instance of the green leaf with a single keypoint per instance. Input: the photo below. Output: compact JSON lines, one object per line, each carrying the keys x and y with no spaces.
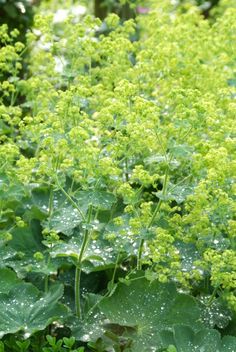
{"x":188,"y":254}
{"x":217,"y":242}
{"x":232,"y":82}
{"x":99,"y":255}
{"x":6,"y":254}
{"x":67,"y":249}
{"x":42,"y":267}
{"x":2,"y":349}
{"x":8,"y":279}
{"x":176,"y":192}
{"x":69,"y":342}
{"x":180,"y":150}
{"x":26,"y":309}
{"x":64,"y":220}
{"x":4,"y":129}
{"x":26,"y":240}
{"x":161,"y":159}
{"x":23,"y":345}
{"x":89,"y":329}
{"x":155,"y":159}
{"x":98,"y":199}
{"x":228,"y":344}
{"x":215,"y":314}
{"x":38,"y":207}
{"x":11,"y":192}
{"x":122,"y":243}
{"x":148,"y":308}
{"x":64,"y":217}
{"x":206,"y":340}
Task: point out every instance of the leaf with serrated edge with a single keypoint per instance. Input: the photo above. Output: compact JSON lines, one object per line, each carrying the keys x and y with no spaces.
{"x":150,"y":307}
{"x":25,"y":309}
{"x":205,"y":340}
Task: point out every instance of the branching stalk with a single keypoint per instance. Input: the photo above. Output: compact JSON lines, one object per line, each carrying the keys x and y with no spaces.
{"x":156,"y":211}
{"x":78,"y":267}
{"x":71,"y":200}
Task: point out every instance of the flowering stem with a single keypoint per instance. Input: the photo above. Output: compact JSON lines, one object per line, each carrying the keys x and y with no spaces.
{"x":114,"y":272}
{"x":70,"y":199}
{"x":78,"y":268}
{"x":156,"y":211}
{"x":50,"y":211}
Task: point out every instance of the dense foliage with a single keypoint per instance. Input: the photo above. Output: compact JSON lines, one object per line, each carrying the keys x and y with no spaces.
{"x":17,"y":14}
{"x":117,"y":184}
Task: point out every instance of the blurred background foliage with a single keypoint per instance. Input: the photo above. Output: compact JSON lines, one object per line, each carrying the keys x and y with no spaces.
{"x":19,"y":14}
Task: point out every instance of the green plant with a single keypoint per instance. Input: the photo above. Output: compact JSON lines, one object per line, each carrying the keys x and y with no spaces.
{"x":17,"y":14}
{"x":117,"y":195}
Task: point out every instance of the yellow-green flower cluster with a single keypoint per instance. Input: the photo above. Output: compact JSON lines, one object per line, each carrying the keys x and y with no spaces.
{"x":148,"y":120}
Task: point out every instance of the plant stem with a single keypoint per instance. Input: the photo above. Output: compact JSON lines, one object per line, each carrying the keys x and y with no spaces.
{"x":47,"y":276}
{"x":50,"y":205}
{"x":50,"y":211}
{"x":78,"y":268}
{"x":156,"y":211}
{"x":70,"y":199}
{"x":77,"y":290}
{"x":212,"y":297}
{"x":140,"y":251}
{"x":115,"y":270}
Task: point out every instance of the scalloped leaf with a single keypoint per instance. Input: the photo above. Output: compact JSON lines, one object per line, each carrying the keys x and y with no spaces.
{"x":25,"y":242}
{"x":25,"y":309}
{"x":99,"y":255}
{"x":64,"y":217}
{"x":177,"y":193}
{"x":208,"y":340}
{"x":64,"y":220}
{"x":98,"y":199}
{"x":148,"y":308}
{"x":216,"y":314}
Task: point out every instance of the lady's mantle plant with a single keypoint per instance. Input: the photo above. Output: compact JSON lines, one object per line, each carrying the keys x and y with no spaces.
{"x":124,"y":160}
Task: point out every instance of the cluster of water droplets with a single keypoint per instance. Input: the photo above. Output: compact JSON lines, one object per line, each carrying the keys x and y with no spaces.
{"x":214,"y":312}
